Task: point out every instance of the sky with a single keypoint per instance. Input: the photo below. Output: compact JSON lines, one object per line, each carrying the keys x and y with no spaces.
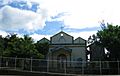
{"x":44,"y":18}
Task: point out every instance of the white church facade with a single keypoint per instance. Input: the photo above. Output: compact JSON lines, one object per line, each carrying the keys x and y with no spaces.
{"x":64,"y":49}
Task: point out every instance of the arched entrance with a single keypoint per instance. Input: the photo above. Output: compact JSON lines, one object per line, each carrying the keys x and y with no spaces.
{"x":61,"y":63}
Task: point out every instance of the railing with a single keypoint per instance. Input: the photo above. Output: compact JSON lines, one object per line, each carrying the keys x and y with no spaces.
{"x":65,"y":67}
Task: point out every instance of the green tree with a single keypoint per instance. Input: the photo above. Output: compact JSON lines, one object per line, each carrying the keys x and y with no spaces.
{"x":20,"y":47}
{"x":42,"y":47}
{"x":110,"y":39}
{"x":12,"y":43}
{"x":2,"y":47}
{"x":28,"y":48}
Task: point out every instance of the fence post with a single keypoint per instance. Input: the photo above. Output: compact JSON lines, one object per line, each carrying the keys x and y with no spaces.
{"x":118,"y":66}
{"x":15,"y":61}
{"x":31,"y":65}
{"x":82,"y":67}
{"x":6,"y":61}
{"x":100,"y":68}
{"x":65,"y":66}
{"x":0,"y":61}
{"x":23,"y":63}
{"x":48,"y":65}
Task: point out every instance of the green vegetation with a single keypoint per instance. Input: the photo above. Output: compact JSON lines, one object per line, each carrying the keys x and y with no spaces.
{"x":12,"y":46}
{"x":109,"y":38}
{"x":42,"y":47}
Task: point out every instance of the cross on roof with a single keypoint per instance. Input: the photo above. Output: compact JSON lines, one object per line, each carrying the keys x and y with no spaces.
{"x":62,"y":27}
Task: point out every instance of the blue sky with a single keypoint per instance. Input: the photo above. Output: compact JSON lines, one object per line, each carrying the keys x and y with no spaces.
{"x":44,"y":18}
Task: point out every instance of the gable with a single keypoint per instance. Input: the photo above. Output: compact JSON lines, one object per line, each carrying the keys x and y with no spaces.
{"x":61,"y":38}
{"x":44,"y":40}
{"x":79,"y":40}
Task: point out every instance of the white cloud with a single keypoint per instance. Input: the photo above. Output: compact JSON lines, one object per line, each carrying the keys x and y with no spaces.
{"x":85,"y":35}
{"x":5,"y":1}
{"x":3,"y":33}
{"x":15,"y":19}
{"x":37,"y":37}
{"x":80,"y":14}
{"x":83,"y":13}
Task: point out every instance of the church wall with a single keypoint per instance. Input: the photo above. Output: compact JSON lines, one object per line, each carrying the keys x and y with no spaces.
{"x":77,"y":50}
{"x":53,"y":58}
{"x":74,"y":50}
{"x":77,"y":53}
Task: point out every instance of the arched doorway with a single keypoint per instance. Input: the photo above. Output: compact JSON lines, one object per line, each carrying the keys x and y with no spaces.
{"x":61,"y":63}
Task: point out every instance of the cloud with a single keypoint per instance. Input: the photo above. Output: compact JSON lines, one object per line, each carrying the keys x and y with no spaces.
{"x":79,"y":13}
{"x":76,"y":14}
{"x":37,"y":37}
{"x":13,"y":19}
{"x":85,"y":35}
{"x":3,"y":33}
{"x":83,"y":13}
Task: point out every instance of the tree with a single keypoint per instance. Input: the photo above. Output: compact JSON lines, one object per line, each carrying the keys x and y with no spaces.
{"x":28,"y":48}
{"x":12,"y":43}
{"x":110,"y":39}
{"x":2,"y":47}
{"x":42,"y":47}
{"x":93,"y":39}
{"x":20,"y":47}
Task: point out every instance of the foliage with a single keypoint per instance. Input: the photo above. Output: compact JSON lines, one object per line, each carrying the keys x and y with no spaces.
{"x":21,"y":47}
{"x":109,"y":38}
{"x":93,"y":39}
{"x":42,"y":47}
{"x":2,"y":47}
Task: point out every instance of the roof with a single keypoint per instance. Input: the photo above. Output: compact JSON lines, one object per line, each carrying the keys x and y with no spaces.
{"x":80,"y":38}
{"x":43,"y":40}
{"x":62,"y":32}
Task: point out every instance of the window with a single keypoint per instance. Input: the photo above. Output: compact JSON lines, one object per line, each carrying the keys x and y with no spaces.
{"x":61,"y":34}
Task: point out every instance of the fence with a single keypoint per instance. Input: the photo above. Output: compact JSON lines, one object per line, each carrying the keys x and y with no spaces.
{"x":65,"y":67}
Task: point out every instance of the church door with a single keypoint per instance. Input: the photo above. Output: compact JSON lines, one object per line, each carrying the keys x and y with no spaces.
{"x":61,"y":61}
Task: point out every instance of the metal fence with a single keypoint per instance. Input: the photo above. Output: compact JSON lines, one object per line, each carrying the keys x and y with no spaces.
{"x":65,"y":67}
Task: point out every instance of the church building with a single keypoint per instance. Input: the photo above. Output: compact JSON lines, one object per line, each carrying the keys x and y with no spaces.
{"x":64,"y":48}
